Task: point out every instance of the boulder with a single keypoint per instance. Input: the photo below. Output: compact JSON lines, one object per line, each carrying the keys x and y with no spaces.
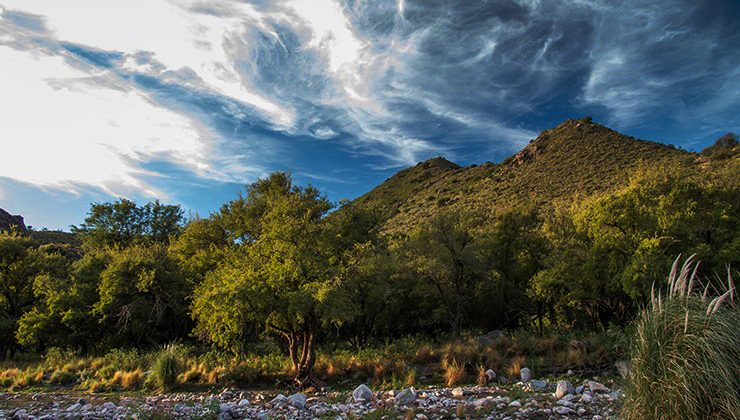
{"x":297,"y":400}
{"x":279,"y":399}
{"x":525,"y":374}
{"x":564,"y":388}
{"x":362,"y":393}
{"x":490,"y":375}
{"x":406,"y":397}
{"x":537,"y":385}
{"x":597,"y":386}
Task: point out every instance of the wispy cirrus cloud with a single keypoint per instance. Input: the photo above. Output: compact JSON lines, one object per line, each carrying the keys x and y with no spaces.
{"x":163,"y":97}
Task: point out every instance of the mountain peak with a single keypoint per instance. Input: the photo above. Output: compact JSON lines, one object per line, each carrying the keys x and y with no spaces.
{"x":576,"y":158}
{"x":9,"y":221}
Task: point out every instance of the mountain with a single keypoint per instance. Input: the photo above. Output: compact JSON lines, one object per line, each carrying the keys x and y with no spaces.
{"x":575,"y":159}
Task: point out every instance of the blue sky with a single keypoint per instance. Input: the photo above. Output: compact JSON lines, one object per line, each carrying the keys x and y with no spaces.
{"x":186,"y":101}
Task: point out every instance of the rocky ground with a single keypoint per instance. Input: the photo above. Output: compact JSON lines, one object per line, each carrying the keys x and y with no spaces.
{"x":537,"y":399}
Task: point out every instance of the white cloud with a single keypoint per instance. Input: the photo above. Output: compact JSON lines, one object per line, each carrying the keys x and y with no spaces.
{"x":61,"y":135}
{"x":177,"y":37}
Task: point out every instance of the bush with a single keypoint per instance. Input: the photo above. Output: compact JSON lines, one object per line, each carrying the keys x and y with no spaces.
{"x":167,"y":366}
{"x":685,"y":355}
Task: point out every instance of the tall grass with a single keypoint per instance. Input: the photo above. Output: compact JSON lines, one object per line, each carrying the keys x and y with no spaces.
{"x":686,"y":353}
{"x":167,"y":366}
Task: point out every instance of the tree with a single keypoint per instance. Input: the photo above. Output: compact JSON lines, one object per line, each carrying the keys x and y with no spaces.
{"x":17,"y":271}
{"x":201,"y":247}
{"x":123,"y":223}
{"x":283,"y":274}
{"x":609,"y":250}
{"x":513,"y":250}
{"x":445,"y":254}
{"x":63,"y":313}
{"x":143,"y":296}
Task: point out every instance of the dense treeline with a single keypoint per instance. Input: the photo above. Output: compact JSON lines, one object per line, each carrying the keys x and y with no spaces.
{"x":281,"y":261}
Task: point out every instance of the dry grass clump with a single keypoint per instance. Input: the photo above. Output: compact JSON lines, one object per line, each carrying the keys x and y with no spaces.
{"x":515,"y":366}
{"x":128,"y":380}
{"x":454,"y":372}
{"x":684,"y":356}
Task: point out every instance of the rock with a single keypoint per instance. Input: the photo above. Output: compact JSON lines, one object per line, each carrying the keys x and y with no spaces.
{"x":525,"y":374}
{"x":503,"y":380}
{"x":74,"y":407}
{"x":20,"y":414}
{"x":597,"y":387}
{"x":406,"y":397}
{"x":564,"y":388}
{"x":515,"y":404}
{"x":224,"y":415}
{"x":538,"y":385}
{"x":562,"y":410}
{"x":362,"y":393}
{"x":587,"y":398}
{"x":297,"y":400}
{"x":244,"y":403}
{"x":623,"y":368}
{"x":570,"y":372}
{"x":225,"y":407}
{"x":109,"y":406}
{"x":581,"y":411}
{"x":81,"y":401}
{"x":457,"y":392}
{"x":579,"y":389}
{"x":490,"y":375}
{"x":279,"y":399}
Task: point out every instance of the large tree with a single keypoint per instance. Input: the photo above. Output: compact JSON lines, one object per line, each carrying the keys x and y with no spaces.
{"x":445,"y":254}
{"x":123,"y":223}
{"x":283,"y":274}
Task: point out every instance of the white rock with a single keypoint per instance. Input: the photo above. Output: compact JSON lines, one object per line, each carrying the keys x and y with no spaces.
{"x":490,"y":375}
{"x":525,"y":374}
{"x":244,"y":403}
{"x":564,"y":388}
{"x":587,"y":398}
{"x":515,"y":404}
{"x":362,"y":393}
{"x":457,"y":392}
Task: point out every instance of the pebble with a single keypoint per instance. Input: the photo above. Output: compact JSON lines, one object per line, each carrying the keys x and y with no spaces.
{"x":430,"y":403}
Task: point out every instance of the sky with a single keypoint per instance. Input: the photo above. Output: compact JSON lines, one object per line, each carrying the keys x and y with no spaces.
{"x":187,"y":101}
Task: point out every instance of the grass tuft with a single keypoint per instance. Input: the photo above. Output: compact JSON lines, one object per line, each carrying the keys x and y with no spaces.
{"x":684,"y":356}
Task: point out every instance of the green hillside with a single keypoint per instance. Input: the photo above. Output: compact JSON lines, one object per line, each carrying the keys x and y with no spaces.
{"x":576,"y":158}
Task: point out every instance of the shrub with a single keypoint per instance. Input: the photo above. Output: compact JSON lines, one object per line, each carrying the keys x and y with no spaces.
{"x":685,"y":353}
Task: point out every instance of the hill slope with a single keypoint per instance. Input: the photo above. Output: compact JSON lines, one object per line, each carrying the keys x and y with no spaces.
{"x":576,"y":158}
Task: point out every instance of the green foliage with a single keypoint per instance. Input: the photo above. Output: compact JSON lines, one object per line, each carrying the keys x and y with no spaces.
{"x":123,"y":223}
{"x":685,"y":354}
{"x":609,"y":249}
{"x":284,"y":273}
{"x":167,"y":366}
{"x":143,"y":295}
